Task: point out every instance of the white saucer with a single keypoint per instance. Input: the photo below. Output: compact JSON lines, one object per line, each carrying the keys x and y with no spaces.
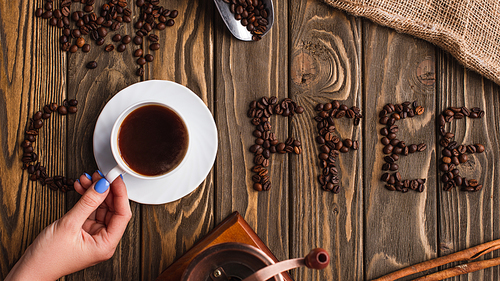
{"x":200,"y":159}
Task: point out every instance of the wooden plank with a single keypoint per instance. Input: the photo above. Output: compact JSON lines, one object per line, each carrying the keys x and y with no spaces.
{"x":28,"y":81}
{"x":186,"y":57}
{"x":401,"y":228}
{"x":469,"y":219}
{"x":247,"y":71}
{"x":93,"y":88}
{"x":325,"y":65}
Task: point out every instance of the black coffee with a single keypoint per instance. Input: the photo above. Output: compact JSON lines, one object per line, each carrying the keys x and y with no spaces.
{"x":153,"y":140}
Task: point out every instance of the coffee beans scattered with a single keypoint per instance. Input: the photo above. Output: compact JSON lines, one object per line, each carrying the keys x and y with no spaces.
{"x":454,"y":154}
{"x":152,"y":17}
{"x":330,"y":144}
{"x":30,"y":159}
{"x":112,"y":14}
{"x":394,"y":147}
{"x":266,"y":142}
{"x":251,"y":13}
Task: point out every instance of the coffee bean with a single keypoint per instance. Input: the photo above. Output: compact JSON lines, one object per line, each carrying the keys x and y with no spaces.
{"x":149,"y":57}
{"x":102,"y":32}
{"x":479,"y":148}
{"x":138,"y":53}
{"x":388,"y":149}
{"x":355,"y":145}
{"x":421,"y":147}
{"x":121,"y":48}
{"x":389,"y":159}
{"x":62,"y":110}
{"x":153,"y":38}
{"x":26,"y":143}
{"x":347,"y":143}
{"x":86,"y":48}
{"x":39,"y":12}
{"x":109,"y":48}
{"x":73,"y":48}
{"x":91,"y":65}
{"x":141,"y":61}
{"x":257,"y":186}
{"x":38,"y":115}
{"x":80,"y":42}
{"x":53,"y":107}
{"x":463,"y":158}
{"x":137,"y":40}
{"x":385,"y":177}
{"x":393,"y":167}
{"x":117,"y":37}
{"x":412,"y":148}
{"x":47,"y":14}
{"x":473,"y":182}
{"x":154,"y":46}
{"x":140,"y":71}
{"x":173,"y":13}
{"x":419,"y":110}
{"x":444,"y":167}
{"x":397,"y":176}
{"x":100,"y":41}
{"x":446,"y":160}
{"x":384,"y":131}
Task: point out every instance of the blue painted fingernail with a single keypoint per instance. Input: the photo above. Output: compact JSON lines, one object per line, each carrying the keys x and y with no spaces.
{"x":100,"y":173}
{"x":78,"y":180}
{"x":88,"y":176}
{"x":101,"y":186}
{"x":121,"y":176}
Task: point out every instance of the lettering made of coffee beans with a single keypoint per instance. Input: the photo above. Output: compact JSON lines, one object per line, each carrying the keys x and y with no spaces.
{"x":30,"y":158}
{"x":266,"y":142}
{"x":394,"y":148}
{"x":454,"y":154}
{"x":330,"y":144}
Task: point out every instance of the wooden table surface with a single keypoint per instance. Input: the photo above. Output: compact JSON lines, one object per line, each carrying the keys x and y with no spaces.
{"x":313,"y":54}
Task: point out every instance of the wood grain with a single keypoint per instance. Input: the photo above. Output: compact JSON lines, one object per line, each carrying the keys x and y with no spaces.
{"x":186,"y":57}
{"x":469,"y":219}
{"x":246,"y":71}
{"x":27,"y":83}
{"x":325,"y":65}
{"x":401,"y":228}
{"x":313,"y":54}
{"x":93,"y":88}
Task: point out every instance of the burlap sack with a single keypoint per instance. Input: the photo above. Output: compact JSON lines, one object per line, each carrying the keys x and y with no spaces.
{"x":468,"y":29}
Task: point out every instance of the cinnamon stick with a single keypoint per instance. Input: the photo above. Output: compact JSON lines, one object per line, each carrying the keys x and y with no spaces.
{"x":464,"y":255}
{"x":460,"y":269}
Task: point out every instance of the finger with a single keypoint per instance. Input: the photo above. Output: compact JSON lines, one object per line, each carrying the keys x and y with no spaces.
{"x":97,"y":175}
{"x":89,"y":202}
{"x":84,"y":184}
{"x":110,"y":199}
{"x":100,"y":213}
{"x":122,"y":213}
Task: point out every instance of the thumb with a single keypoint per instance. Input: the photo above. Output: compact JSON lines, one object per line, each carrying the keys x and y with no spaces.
{"x":90,"y":201}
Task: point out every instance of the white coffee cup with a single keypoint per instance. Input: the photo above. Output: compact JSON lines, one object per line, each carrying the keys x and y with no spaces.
{"x":122,"y":167}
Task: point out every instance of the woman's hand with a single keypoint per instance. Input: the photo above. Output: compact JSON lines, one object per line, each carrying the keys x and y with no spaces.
{"x":85,"y":236}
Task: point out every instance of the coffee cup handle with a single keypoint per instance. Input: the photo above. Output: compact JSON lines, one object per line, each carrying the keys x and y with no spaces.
{"x":114,"y":173}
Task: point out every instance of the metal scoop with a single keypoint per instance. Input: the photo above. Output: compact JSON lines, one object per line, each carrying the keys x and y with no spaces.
{"x":237,"y":29}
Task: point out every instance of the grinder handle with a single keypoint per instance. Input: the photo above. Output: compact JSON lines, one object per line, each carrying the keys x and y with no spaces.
{"x":317,"y":259}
